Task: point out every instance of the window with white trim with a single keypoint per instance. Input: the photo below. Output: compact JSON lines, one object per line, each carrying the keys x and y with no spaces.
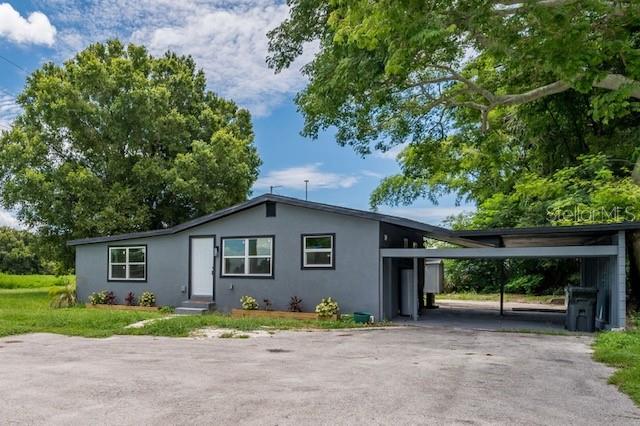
{"x":128,"y":263}
{"x":251,"y":256}
{"x":317,"y":251}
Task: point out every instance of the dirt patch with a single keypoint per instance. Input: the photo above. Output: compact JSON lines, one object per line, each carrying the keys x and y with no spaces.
{"x":227,"y":333}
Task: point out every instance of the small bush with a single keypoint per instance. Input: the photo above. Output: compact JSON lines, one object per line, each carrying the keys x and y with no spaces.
{"x":63,"y":297}
{"x":248,"y":303}
{"x":295,"y":304}
{"x":327,"y":308}
{"x":98,"y":298}
{"x":148,"y":299}
{"x":524,"y":284}
{"x":167,"y":309}
{"x":110,"y":298}
{"x":130,"y":300}
{"x":268,"y":306}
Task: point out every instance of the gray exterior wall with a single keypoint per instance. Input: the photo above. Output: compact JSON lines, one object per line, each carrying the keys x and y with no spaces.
{"x":353,"y":283}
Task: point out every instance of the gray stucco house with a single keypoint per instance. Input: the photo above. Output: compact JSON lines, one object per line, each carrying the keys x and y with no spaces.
{"x":274,"y":247}
{"x":270,"y":247}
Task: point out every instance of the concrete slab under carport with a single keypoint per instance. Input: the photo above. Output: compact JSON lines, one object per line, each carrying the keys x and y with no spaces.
{"x":482,"y":315}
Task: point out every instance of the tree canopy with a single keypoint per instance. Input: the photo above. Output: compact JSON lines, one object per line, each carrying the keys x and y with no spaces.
{"x":519,"y":106}
{"x":116,"y":140}
{"x":389,"y":71}
{"x":18,"y":252}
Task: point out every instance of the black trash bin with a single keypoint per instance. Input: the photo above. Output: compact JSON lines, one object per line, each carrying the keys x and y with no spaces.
{"x":581,"y":308}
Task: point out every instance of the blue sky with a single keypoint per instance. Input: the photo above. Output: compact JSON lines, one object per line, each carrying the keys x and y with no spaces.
{"x":227,"y":39}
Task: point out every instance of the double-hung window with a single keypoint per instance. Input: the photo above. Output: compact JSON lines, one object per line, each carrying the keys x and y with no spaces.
{"x":248,"y":257}
{"x":318,"y":251}
{"x":128,"y":263}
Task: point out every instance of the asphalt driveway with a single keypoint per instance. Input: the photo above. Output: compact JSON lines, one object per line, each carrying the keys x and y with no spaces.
{"x":406,"y":375}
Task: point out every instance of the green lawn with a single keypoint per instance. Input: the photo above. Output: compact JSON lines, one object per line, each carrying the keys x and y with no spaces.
{"x":27,"y":311}
{"x":183,"y":325}
{"x":622,"y":351}
{"x":495,"y":297}
{"x":33,"y":281}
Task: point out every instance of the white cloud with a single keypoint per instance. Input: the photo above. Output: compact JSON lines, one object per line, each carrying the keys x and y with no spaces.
{"x":393,"y":153}
{"x":226,"y":38}
{"x":372,"y":174}
{"x":294,"y":177}
{"x":35,"y":29}
{"x":7,"y":219}
{"x":428,"y":214}
{"x":8,"y":111}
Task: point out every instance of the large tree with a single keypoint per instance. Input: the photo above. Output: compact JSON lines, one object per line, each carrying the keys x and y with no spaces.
{"x":389,"y":70}
{"x":486,"y":93}
{"x":116,"y":140}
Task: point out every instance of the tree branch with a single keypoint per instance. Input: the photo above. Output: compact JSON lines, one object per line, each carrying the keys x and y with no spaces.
{"x":616,"y":81}
{"x":532,"y":95}
{"x":509,"y":7}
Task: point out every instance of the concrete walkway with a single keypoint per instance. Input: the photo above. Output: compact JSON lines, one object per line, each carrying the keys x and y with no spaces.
{"x":403,"y":375}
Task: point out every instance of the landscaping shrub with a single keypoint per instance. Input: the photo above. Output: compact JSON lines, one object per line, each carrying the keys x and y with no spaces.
{"x":98,"y":298}
{"x":110,"y":298}
{"x":268,"y":306}
{"x":130,"y":300}
{"x":147,"y":298}
{"x":62,"y":297}
{"x":167,"y":309}
{"x":295,"y":304}
{"x":327,"y":308}
{"x":248,"y":303}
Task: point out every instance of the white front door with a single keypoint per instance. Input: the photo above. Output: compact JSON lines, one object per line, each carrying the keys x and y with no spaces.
{"x":202,"y":265}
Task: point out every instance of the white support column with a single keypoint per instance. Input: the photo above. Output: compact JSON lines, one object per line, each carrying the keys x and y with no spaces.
{"x":414,"y":303}
{"x":381,"y":300}
{"x":619,"y":290}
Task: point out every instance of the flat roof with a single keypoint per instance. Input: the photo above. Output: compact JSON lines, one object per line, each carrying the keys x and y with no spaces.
{"x":545,"y":230}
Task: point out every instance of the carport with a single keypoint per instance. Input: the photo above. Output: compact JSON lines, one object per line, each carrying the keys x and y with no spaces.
{"x":600,"y":248}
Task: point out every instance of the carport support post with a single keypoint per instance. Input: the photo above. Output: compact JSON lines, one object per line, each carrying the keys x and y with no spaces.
{"x":502,"y":279}
{"x":416,"y":300}
{"x":619,"y":295}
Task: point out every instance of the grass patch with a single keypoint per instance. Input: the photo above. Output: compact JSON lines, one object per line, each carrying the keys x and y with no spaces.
{"x":182,"y":326}
{"x":8,"y":281}
{"x":495,"y":297}
{"x":622,"y":351}
{"x":28,"y":311}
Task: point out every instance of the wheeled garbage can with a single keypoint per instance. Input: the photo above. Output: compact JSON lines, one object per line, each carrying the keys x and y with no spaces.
{"x":581,"y":308}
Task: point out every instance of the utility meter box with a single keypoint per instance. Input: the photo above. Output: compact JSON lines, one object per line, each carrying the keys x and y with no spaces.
{"x":433,"y":276}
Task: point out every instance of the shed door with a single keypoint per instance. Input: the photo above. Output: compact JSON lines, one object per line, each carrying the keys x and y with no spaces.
{"x":202,"y":265}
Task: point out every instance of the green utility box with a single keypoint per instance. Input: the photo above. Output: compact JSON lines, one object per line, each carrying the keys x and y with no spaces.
{"x":361,"y":317}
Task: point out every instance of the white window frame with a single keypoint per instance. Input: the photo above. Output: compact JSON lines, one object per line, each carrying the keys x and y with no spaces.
{"x":246,"y":257}
{"x":329,"y":250}
{"x":127,"y":264}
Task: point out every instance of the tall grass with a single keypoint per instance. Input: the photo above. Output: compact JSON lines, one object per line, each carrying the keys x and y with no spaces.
{"x":622,"y":351}
{"x":9,"y":281}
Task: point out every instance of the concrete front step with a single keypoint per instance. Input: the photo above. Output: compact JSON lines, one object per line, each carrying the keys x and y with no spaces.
{"x":191,"y":311}
{"x":196,"y":306}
